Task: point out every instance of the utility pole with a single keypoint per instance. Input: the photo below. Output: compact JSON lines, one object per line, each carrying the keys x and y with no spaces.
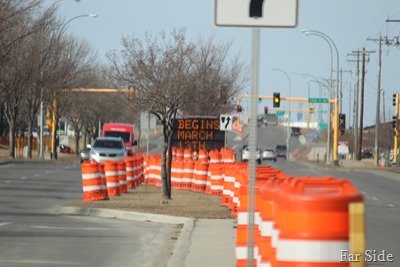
{"x":383,"y":105}
{"x":378,"y":101}
{"x":355,"y":118}
{"x":362,"y":105}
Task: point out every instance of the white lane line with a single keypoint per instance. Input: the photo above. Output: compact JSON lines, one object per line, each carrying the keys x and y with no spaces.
{"x":24,"y":178}
{"x":40,"y":262}
{"x":374,"y":198}
{"x":391,"y":205}
{"x":36,"y":174}
{"x":4,"y":223}
{"x":71,"y":228}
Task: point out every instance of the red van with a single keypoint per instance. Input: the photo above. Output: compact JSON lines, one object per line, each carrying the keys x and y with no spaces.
{"x":123,"y":130}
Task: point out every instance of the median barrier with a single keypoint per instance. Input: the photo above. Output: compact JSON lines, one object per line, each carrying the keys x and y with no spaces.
{"x":111,"y":171}
{"x":122,"y":177}
{"x":92,"y":182}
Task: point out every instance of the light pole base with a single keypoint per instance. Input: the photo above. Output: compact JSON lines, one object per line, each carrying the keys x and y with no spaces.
{"x":336,"y":163}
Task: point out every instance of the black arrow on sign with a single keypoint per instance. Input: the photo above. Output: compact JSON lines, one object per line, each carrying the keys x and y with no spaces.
{"x":256,"y":8}
{"x":227,"y":122}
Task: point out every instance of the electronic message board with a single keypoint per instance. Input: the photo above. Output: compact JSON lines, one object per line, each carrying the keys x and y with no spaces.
{"x":198,"y":133}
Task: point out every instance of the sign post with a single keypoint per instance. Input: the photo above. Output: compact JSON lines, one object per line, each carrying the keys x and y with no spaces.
{"x":255,"y":14}
{"x":225,"y":124}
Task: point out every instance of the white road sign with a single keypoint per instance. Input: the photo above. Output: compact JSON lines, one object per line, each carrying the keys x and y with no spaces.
{"x":256,"y":13}
{"x":225,"y":123}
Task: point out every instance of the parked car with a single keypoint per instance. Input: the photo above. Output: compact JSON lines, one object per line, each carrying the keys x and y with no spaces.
{"x":269,"y":154}
{"x":245,"y":154}
{"x":281,"y":151}
{"x":367,"y":154}
{"x":85,"y":154}
{"x":108,"y":148}
{"x":295,"y":131}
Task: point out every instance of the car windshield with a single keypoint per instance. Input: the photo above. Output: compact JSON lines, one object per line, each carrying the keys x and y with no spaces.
{"x":108,"y":144}
{"x":124,"y":136}
{"x":281,"y":147}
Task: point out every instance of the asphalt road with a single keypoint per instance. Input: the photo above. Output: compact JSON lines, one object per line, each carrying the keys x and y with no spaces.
{"x":33,"y":234}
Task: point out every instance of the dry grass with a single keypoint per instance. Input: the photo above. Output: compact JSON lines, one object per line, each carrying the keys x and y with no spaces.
{"x":147,"y":199}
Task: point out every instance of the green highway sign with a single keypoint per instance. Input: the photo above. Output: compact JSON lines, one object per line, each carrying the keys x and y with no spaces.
{"x":322,"y":125}
{"x":280,"y":113}
{"x":318,"y":100}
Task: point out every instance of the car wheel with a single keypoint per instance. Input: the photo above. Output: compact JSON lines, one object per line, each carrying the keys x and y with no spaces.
{"x":285,"y":158}
{"x":259,"y":161}
{"x":275,"y":160}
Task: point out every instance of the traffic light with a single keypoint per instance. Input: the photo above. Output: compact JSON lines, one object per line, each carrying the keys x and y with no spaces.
{"x":342,"y":123}
{"x":265,"y":110}
{"x":239,"y":108}
{"x":394,"y":99}
{"x":277,"y":100}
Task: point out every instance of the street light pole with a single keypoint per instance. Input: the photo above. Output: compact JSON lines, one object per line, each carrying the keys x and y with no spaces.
{"x":54,"y":119}
{"x":288,"y":122}
{"x":330,"y":43}
{"x":41,"y":154}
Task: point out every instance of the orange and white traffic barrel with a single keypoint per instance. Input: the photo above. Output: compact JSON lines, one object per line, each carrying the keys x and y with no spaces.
{"x":188,"y":154}
{"x":188,"y":171}
{"x":111,"y":170}
{"x":215,"y":156}
{"x":200,"y":176}
{"x":92,"y":182}
{"x":177,"y":170}
{"x":216,"y":179}
{"x":122,"y":177}
{"x":103,"y":178}
{"x":130,"y":172}
{"x":179,"y":153}
{"x":203,"y":155}
{"x":314,"y":218}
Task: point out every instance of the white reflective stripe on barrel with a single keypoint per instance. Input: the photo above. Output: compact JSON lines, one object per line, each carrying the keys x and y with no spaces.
{"x":87,"y":176}
{"x":310,"y":250}
{"x":92,"y":188}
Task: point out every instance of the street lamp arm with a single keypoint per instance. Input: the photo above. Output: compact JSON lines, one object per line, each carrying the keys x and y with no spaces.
{"x":76,"y":17}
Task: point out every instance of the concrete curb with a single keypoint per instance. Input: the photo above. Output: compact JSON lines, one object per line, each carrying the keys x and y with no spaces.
{"x":181,"y":249}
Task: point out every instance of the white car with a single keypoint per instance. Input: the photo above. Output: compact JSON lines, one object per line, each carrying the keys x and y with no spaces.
{"x":108,"y":148}
{"x":269,"y":154}
{"x":245,"y":152}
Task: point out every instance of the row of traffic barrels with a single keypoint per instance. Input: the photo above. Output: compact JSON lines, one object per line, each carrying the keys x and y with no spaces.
{"x":111,"y":177}
{"x":299,"y":221}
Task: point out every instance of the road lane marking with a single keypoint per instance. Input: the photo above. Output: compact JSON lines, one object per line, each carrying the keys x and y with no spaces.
{"x":40,"y":262}
{"x":71,"y":228}
{"x":24,"y":177}
{"x":391,"y":205}
{"x":4,"y":223}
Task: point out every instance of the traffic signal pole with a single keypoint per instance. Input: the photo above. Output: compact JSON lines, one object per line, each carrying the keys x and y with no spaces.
{"x":335,"y":132}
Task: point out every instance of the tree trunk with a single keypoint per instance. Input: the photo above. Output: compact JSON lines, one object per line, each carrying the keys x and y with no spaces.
{"x":11,"y":135}
{"x":77,"y":143}
{"x":30,"y":139}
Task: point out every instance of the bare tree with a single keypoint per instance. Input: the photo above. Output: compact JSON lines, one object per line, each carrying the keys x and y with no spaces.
{"x":169,"y":74}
